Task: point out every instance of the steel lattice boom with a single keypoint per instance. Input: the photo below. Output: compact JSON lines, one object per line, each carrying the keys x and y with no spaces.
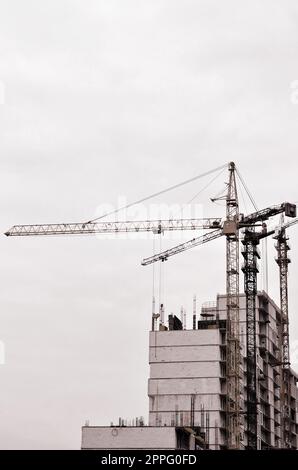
{"x":263,"y":215}
{"x":164,"y":255}
{"x":155,"y":226}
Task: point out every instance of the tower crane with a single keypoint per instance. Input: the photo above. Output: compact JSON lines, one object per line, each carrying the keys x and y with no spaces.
{"x":229,"y":227}
{"x":217,"y":226}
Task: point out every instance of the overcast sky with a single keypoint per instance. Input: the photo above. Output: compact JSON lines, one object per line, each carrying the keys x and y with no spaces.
{"x":102,"y":99}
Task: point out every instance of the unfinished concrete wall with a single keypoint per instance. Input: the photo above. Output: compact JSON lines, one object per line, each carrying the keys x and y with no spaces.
{"x":101,"y":437}
{"x":185,"y":364}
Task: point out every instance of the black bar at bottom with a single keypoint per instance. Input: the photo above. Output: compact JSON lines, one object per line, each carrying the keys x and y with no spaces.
{"x":138,"y":459}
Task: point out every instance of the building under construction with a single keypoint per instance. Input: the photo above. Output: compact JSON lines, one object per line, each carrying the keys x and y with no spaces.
{"x":188,"y":375}
{"x":227,"y":383}
{"x":187,"y":385}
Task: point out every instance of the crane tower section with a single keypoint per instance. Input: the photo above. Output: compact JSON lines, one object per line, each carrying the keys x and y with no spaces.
{"x":231,"y":231}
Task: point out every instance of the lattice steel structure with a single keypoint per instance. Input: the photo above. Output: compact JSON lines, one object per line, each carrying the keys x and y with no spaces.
{"x":283,"y":260}
{"x":163,"y":256}
{"x":232,"y":329}
{"x":89,"y":228}
{"x":250,"y":268}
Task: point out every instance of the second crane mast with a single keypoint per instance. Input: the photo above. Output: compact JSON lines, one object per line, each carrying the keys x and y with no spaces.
{"x":283,"y":260}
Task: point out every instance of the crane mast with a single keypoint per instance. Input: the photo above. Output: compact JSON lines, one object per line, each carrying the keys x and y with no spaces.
{"x":283,"y":260}
{"x":164,"y":255}
{"x":250,"y":269}
{"x":232,"y":326}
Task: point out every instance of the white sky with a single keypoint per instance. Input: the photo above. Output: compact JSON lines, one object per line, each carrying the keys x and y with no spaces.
{"x":101,"y":99}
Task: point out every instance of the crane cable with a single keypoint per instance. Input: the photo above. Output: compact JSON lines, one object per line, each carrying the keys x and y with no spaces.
{"x":171,"y":188}
{"x":200,"y":192}
{"x":207,"y":185}
{"x":247,"y":190}
{"x":161,"y":264}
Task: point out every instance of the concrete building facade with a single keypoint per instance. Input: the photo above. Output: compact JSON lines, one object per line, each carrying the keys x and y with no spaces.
{"x":185,"y":385}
